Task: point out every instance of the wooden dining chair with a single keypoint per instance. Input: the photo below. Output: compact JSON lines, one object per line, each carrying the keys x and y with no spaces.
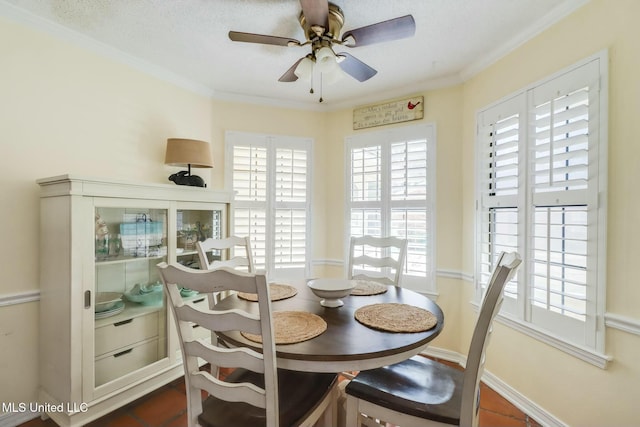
{"x":422,"y":392}
{"x":380,"y":259}
{"x":255,"y":393}
{"x":238,"y":253}
{"x":235,"y":253}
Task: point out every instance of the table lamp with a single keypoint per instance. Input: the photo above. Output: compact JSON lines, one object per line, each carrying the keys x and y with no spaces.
{"x":188,"y":152}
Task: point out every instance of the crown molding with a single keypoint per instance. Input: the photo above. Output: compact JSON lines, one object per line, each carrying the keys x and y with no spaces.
{"x":561,"y":11}
{"x":92,"y":45}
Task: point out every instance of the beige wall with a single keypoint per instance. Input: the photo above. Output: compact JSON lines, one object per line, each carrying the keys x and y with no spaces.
{"x":574,"y":391}
{"x":66,"y":110}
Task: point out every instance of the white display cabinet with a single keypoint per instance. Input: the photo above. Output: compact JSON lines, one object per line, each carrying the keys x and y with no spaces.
{"x":106,"y":334}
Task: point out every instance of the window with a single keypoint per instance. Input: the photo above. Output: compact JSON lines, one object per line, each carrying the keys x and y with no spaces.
{"x":271,"y":178}
{"x":390,"y":191}
{"x":541,"y":192}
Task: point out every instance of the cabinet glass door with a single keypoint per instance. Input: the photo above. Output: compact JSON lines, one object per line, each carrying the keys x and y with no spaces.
{"x":195,"y":225}
{"x":130,"y":313}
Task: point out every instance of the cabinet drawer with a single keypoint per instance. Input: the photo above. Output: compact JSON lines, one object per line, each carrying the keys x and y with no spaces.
{"x":125,"y":332}
{"x":202,"y":303}
{"x":123,"y":362}
{"x":200,"y":332}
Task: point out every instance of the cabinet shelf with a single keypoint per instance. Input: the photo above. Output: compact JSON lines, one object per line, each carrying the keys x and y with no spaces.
{"x":131,"y":311}
{"x":185,"y":253}
{"x":121,"y":260}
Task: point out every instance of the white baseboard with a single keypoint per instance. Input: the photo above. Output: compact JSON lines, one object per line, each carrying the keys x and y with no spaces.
{"x":521,"y":402}
{"x":514,"y":397}
{"x":448,"y":355}
{"x":13,"y":419}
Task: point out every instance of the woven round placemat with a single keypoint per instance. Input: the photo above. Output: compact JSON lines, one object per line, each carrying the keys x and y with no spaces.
{"x":368,"y":287}
{"x":290,"y":327}
{"x":277,"y":292}
{"x":394,"y":317}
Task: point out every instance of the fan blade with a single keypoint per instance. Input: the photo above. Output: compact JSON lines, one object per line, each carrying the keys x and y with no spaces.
{"x":316,"y":12}
{"x":262,"y":39}
{"x":356,"y":68}
{"x":393,"y":29}
{"x":290,"y":76}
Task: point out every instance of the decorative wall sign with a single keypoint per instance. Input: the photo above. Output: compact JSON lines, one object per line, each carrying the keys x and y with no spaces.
{"x":401,"y":110}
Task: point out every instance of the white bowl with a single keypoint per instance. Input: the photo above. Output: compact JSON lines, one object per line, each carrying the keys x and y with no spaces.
{"x":107,"y":300}
{"x":331,"y":290}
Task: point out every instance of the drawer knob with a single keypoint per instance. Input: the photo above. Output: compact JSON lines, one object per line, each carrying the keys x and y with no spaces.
{"x":123,"y":322}
{"x":122,"y":353}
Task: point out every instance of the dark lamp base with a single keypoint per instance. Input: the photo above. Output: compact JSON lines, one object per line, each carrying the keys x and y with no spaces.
{"x":185,"y":178}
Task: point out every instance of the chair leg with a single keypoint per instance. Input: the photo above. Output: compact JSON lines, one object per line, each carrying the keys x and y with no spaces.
{"x":329,"y":417}
{"x":353,"y":414}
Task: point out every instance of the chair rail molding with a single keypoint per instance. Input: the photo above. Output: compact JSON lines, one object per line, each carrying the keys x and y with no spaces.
{"x":328,"y":261}
{"x":454,"y":274}
{"x":19,"y":298}
{"x":623,"y":323}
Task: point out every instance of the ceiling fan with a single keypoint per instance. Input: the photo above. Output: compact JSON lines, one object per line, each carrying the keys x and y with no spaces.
{"x":322,"y":23}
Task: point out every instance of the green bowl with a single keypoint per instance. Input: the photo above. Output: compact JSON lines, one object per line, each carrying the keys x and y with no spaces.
{"x":149,"y":298}
{"x":186,"y":292}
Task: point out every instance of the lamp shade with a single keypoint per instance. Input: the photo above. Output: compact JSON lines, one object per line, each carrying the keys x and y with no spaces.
{"x":188,"y":152}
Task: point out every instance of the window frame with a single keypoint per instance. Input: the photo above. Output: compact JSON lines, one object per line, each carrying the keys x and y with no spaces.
{"x":519,"y":317}
{"x":384,"y":138}
{"x":271,"y":205}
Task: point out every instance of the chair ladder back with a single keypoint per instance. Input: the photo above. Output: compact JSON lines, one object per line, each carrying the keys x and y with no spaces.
{"x":225,"y":279}
{"x":229,"y":357}
{"x":238,"y":253}
{"x":386,"y":245}
{"x":504,"y":271}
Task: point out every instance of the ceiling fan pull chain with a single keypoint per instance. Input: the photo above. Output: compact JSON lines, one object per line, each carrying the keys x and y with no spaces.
{"x":321,"y":88}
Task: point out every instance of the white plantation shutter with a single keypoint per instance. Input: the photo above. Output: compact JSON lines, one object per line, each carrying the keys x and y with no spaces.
{"x":252,"y":222}
{"x":366,"y":174}
{"x":412,"y":224}
{"x":250,"y":173}
{"x":291,"y":208}
{"x":270,"y":176}
{"x":291,"y":175}
{"x":560,"y":257}
{"x":390,"y":193}
{"x":565,"y":115}
{"x":500,"y":137}
{"x":410,"y":188}
{"x":409,"y":170}
{"x":541,"y":184}
{"x":366,"y":222}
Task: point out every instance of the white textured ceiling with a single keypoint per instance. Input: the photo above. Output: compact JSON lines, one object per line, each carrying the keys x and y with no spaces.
{"x":186,"y":41}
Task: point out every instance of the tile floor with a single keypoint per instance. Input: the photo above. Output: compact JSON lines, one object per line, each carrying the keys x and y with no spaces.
{"x":166,"y":407}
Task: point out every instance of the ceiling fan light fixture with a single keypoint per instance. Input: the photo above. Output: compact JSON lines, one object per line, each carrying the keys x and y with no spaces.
{"x":325,"y":59}
{"x":322,"y":22}
{"x":304,"y":70}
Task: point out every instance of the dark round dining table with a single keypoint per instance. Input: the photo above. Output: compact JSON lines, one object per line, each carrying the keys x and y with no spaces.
{"x":347,"y":344}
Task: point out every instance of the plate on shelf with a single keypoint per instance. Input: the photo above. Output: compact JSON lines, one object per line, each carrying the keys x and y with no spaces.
{"x":105,"y":301}
{"x":118,"y":308}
